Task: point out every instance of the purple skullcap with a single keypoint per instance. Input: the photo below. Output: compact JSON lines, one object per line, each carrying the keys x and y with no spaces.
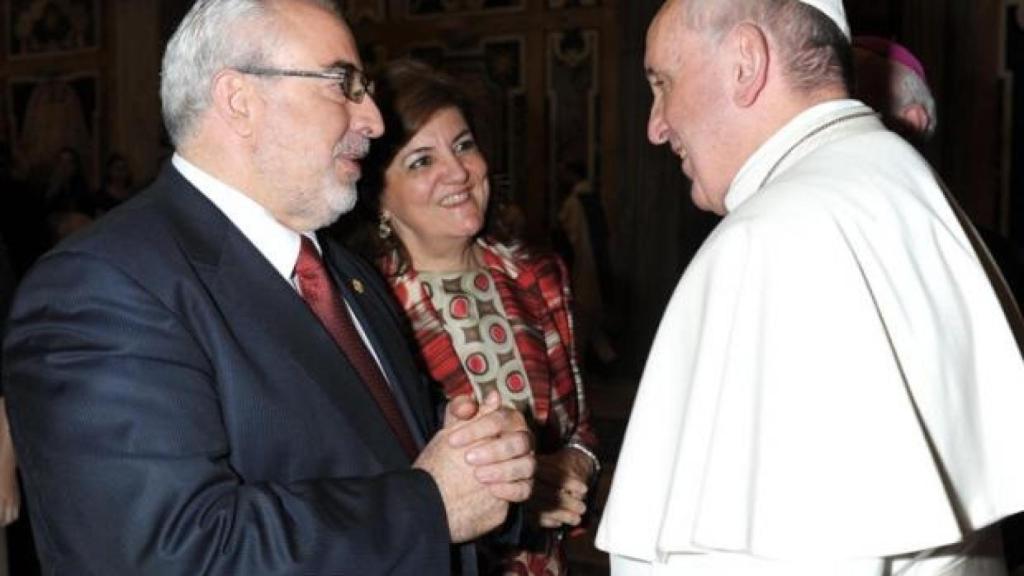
{"x":891,"y":50}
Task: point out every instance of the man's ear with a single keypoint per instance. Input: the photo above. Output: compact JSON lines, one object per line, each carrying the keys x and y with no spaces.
{"x":915,"y":116}
{"x":749,"y":71}
{"x":234,"y":101}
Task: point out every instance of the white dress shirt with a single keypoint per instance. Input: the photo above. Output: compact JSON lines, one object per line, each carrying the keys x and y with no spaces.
{"x":279,"y":244}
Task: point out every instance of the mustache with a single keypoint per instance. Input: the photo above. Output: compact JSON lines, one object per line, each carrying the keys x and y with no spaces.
{"x":353,"y":145}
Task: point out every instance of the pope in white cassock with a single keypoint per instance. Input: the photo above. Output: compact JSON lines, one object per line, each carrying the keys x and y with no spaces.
{"x":835,"y":389}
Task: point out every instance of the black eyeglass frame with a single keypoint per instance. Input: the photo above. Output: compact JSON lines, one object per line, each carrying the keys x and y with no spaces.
{"x":354,"y":83}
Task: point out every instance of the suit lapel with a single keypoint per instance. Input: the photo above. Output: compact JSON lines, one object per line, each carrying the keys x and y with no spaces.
{"x":376,"y":315}
{"x":269,"y":317}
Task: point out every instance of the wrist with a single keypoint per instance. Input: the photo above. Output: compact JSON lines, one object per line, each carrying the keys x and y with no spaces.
{"x":589,"y":456}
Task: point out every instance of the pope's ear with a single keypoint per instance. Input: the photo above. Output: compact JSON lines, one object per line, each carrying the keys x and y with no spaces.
{"x":235,"y":100}
{"x":749,"y":71}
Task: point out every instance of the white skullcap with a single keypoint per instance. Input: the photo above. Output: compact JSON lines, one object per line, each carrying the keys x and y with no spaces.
{"x":834,"y":10}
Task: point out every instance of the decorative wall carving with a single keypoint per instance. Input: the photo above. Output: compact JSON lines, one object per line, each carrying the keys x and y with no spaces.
{"x":573,"y":98}
{"x":359,"y":11}
{"x":51,"y":113}
{"x":51,"y":27}
{"x":559,"y":4}
{"x":53,"y":62}
{"x":429,"y":8}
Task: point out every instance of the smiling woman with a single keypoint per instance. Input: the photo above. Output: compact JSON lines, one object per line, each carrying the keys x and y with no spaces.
{"x":487,"y":314}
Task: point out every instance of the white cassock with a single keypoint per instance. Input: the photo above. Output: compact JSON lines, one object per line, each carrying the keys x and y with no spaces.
{"x":833,"y":385}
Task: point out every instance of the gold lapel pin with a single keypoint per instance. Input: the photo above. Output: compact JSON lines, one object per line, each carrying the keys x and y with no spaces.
{"x":357,"y":285}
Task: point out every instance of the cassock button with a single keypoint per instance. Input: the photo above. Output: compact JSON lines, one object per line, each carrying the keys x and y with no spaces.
{"x":358,"y":286}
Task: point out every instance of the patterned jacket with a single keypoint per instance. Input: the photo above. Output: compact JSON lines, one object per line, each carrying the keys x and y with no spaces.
{"x":534,"y":291}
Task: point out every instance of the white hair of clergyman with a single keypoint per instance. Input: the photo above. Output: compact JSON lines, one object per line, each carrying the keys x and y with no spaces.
{"x":814,"y":45}
{"x":213,"y":36}
{"x":908,"y":89}
{"x":835,"y":12}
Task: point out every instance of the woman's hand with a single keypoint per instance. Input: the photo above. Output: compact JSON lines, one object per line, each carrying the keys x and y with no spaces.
{"x":560,"y":488}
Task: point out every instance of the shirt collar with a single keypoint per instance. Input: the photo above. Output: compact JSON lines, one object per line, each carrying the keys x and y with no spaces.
{"x":278,"y":243}
{"x":759,"y":166}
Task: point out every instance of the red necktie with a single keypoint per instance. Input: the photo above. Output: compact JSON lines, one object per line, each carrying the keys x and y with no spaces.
{"x":324,"y":299}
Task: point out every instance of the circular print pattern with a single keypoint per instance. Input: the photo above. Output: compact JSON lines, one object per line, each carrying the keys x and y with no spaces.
{"x":476,"y":363}
{"x":498,"y":333}
{"x":515,"y":382}
{"x":481,"y":282}
{"x":459,"y":308}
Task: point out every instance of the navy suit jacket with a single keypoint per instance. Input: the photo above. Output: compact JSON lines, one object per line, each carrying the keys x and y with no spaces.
{"x":177,"y":409}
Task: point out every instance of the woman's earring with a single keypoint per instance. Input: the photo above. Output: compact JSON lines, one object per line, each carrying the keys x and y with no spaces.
{"x":384,"y":226}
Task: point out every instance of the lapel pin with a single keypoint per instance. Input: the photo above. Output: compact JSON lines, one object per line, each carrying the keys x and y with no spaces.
{"x":357,"y":285}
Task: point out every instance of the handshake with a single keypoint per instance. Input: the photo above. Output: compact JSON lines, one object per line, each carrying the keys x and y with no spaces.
{"x":481,"y":461}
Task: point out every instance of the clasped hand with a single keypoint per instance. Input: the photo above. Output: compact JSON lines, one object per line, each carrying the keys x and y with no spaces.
{"x":560,"y":494}
{"x":481,"y":461}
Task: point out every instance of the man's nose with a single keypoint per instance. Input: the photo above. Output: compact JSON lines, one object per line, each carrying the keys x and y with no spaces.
{"x":657,"y":129}
{"x":366,"y":118}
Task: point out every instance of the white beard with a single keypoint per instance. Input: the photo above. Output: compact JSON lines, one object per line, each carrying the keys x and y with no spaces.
{"x":339,"y":198}
{"x":303,"y":206}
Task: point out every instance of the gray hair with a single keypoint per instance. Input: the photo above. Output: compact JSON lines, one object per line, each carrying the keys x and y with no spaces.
{"x":816,"y":52}
{"x":212,"y":37}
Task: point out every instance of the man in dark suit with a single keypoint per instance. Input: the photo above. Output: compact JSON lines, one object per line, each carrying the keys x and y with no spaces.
{"x":181,"y":401}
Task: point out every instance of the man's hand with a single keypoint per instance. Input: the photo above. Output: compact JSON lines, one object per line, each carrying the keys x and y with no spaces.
{"x":501,"y":447}
{"x":481,"y":461}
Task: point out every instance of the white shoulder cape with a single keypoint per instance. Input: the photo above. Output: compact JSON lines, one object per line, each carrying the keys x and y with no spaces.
{"x":833,"y":376}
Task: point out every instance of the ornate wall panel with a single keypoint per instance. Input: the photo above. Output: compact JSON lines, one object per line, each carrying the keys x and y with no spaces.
{"x":359,"y":11}
{"x":557,"y":4}
{"x":573,"y":94}
{"x":441,"y":8}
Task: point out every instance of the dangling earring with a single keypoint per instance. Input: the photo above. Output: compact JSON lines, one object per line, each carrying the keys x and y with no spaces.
{"x":384,"y":226}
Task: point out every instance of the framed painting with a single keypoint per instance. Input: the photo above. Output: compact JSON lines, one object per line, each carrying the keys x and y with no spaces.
{"x":51,"y":27}
{"x":50,"y":114}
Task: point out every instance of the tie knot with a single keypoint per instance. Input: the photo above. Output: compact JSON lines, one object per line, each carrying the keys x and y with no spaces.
{"x":309,"y":262}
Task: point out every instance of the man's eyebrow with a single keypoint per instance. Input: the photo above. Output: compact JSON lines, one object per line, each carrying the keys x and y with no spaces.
{"x":341,"y":65}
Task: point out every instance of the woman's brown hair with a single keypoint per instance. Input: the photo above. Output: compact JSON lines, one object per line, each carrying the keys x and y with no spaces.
{"x":408,"y":93}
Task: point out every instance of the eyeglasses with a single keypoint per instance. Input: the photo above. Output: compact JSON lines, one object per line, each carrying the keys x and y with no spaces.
{"x":353,"y":82}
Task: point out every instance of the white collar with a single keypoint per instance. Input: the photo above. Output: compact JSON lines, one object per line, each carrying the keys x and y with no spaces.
{"x":759,"y":167}
{"x":278,"y":243}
